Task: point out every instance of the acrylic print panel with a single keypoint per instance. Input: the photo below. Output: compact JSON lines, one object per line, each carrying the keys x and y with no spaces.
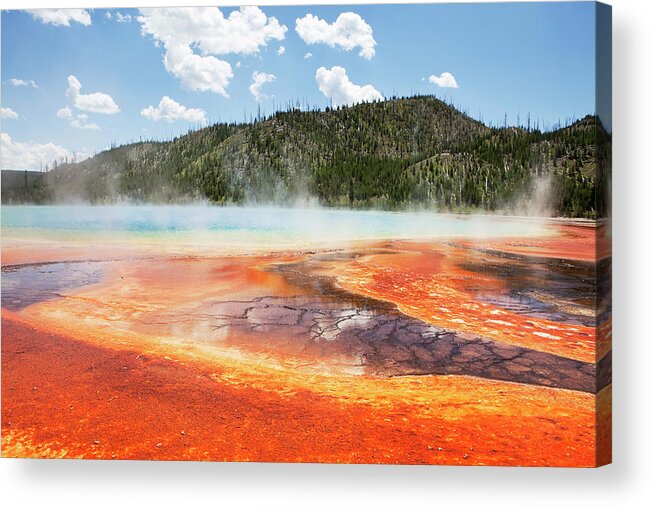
{"x":342,"y":234}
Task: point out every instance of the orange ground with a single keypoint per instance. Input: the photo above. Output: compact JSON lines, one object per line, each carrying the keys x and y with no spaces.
{"x":575,"y":242}
{"x":87,"y":401}
{"x":117,"y":370}
{"x":425,"y":282}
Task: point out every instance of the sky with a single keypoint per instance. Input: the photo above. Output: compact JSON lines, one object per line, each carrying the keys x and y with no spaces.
{"x":76,"y":81}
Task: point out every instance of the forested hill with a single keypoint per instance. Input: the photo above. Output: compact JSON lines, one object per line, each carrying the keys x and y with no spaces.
{"x":413,"y":152}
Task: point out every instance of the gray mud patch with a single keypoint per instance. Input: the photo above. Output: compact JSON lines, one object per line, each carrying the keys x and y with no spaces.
{"x":388,"y":343}
{"x":28,"y":284}
{"x":379,"y":339}
{"x":558,"y":290}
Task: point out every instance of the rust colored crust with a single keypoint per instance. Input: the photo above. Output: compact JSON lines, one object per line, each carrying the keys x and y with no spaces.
{"x":65,"y":398}
{"x":426,"y":282}
{"x":578,"y":243}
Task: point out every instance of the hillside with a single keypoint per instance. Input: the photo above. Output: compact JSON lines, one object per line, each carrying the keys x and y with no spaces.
{"x":19,"y":186}
{"x":410,"y":152}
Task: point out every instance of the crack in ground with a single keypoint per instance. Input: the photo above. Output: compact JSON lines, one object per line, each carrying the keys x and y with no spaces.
{"x":394,"y":344}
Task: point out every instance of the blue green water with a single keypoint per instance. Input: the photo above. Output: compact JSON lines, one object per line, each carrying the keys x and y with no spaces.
{"x":309,"y":224}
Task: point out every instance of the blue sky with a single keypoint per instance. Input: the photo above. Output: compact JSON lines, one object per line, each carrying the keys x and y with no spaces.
{"x":513,"y":59}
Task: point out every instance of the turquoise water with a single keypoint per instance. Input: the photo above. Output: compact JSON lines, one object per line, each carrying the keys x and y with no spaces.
{"x":309,"y":224}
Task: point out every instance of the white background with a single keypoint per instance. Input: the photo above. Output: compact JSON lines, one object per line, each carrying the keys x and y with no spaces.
{"x":626,"y":482}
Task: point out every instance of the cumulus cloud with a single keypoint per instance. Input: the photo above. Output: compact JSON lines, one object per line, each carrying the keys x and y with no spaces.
{"x":23,"y":82}
{"x":108,"y":15}
{"x":169,"y":110}
{"x":6,"y":113}
{"x":93,"y":102}
{"x":335,"y":84}
{"x":65,"y":112}
{"x":29,"y":155}
{"x":308,"y":56}
{"x":62,"y":17}
{"x":259,"y":79}
{"x":347,"y":32}
{"x":445,"y":80}
{"x":191,"y":36}
{"x":79,"y":121}
{"x":123,"y":18}
{"x":198,"y":73}
{"x":281,"y":51}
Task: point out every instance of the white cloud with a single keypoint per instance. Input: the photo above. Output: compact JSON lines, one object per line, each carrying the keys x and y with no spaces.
{"x":6,"y":113}
{"x":79,"y":121}
{"x":445,"y":80}
{"x":281,"y":51}
{"x":62,"y":17}
{"x":23,"y":82}
{"x":334,"y":84}
{"x":119,"y":17}
{"x":198,"y":73}
{"x":182,"y":31}
{"x":259,"y":79}
{"x":347,"y":32}
{"x":29,"y":155}
{"x":93,"y":102}
{"x":123,"y":18}
{"x":308,"y":56}
{"x":64,"y":112}
{"x":169,"y":110}
{"x":238,"y":64}
{"x":245,"y":31}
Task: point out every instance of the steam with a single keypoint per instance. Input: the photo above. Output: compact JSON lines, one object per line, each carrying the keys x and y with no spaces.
{"x":213,"y":230}
{"x":539,"y":201}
